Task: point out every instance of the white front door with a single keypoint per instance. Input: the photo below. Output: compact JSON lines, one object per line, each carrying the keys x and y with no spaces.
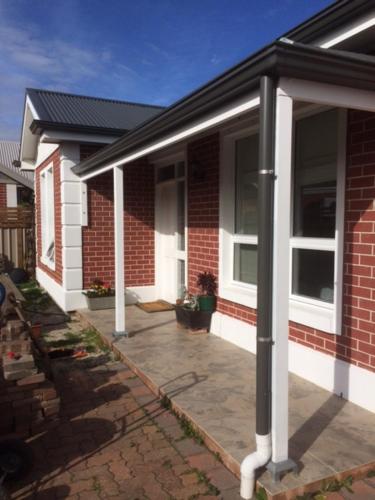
{"x":171,"y":230}
{"x":166,"y":223}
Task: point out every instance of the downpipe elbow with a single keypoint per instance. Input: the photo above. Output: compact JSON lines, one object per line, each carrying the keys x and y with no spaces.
{"x":252,"y":462}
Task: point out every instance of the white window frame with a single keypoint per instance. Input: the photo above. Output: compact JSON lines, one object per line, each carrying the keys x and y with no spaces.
{"x":310,"y":312}
{"x":230,"y":289}
{"x":47,"y":207}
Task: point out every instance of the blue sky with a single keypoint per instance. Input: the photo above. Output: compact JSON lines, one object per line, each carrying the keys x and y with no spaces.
{"x":153,"y":51}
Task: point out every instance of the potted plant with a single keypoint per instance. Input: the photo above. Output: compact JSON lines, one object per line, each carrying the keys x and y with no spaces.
{"x":207,"y":284}
{"x":100,"y":296}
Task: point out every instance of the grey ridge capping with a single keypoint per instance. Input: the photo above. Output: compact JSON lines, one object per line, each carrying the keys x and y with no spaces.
{"x":9,"y":152}
{"x":59,"y":110}
{"x":281,"y":58}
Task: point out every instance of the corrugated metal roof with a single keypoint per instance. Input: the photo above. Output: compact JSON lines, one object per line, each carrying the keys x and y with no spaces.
{"x":9,"y":152}
{"x":84,"y":111}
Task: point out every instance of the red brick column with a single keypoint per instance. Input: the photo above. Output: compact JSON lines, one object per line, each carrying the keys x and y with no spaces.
{"x":3,"y":195}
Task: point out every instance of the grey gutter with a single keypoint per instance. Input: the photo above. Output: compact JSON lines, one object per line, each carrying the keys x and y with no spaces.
{"x":279,"y":59}
{"x":16,"y":177}
{"x":37,"y":127}
{"x":328,"y":19}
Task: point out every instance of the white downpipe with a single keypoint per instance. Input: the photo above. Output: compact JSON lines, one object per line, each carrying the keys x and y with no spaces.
{"x":252,"y":462}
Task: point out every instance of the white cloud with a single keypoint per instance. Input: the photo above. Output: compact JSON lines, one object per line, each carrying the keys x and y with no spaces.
{"x":29,"y":60}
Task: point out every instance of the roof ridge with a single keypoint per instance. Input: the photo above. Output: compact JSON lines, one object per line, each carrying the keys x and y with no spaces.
{"x":82,"y":96}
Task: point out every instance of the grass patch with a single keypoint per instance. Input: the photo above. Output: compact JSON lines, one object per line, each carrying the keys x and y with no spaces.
{"x":36,"y":299}
{"x":88,"y":338}
{"x":203,"y":479}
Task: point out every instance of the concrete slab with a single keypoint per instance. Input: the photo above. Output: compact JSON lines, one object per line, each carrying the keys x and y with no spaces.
{"x":213,"y":383}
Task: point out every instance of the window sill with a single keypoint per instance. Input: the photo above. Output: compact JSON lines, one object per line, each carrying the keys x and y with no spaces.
{"x":314,"y":315}
{"x":48,"y":262}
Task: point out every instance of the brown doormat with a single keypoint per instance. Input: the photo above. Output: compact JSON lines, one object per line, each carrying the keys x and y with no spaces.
{"x":156,"y":306}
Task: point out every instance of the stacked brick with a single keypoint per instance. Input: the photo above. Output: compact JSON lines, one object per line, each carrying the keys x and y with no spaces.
{"x":27,"y":399}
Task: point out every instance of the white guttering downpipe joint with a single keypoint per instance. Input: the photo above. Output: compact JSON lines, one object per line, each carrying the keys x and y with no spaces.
{"x":254,"y":461}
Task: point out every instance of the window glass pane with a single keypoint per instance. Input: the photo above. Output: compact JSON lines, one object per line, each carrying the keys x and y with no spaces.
{"x":166,"y":173}
{"x":246,"y":179}
{"x":315,"y":176}
{"x":313,"y":272}
{"x":181,"y":284}
{"x":181,"y":215}
{"x":245,"y":263}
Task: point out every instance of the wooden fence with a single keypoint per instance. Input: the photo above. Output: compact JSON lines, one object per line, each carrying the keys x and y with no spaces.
{"x":17,"y":238}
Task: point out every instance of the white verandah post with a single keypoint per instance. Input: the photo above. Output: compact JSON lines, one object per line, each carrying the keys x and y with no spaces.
{"x":118,"y":191}
{"x":281,"y":264}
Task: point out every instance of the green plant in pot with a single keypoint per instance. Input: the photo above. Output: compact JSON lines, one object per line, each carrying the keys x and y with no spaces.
{"x":207,"y":284}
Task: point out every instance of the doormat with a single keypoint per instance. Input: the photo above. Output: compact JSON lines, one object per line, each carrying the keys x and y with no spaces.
{"x":156,"y":306}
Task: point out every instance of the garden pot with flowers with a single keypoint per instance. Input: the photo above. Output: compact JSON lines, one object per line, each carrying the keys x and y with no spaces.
{"x":100,"y":296}
{"x":195,"y":311}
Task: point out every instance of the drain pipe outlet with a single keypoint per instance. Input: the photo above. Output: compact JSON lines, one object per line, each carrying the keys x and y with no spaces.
{"x":252,"y":462}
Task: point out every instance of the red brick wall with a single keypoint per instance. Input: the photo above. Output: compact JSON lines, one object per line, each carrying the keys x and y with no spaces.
{"x":203,"y":208}
{"x":98,"y":236}
{"x":3,"y":195}
{"x":356,"y":344}
{"x":203,"y":221}
{"x":55,"y":274}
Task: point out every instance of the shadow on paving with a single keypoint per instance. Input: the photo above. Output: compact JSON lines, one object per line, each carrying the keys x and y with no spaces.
{"x":95,"y":419}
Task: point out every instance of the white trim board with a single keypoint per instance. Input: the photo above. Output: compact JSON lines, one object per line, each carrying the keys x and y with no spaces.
{"x":321,"y":369}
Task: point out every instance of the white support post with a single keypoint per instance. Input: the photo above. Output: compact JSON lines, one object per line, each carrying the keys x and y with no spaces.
{"x":118,"y":188}
{"x":281,"y":256}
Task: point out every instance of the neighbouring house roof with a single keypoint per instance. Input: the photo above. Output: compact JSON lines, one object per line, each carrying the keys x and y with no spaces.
{"x":281,"y":58}
{"x":59,"y":110}
{"x":9,"y":152}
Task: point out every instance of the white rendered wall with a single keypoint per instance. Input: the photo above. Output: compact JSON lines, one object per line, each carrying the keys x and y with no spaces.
{"x":321,"y":369}
{"x":11,"y":195}
{"x":71,"y":218}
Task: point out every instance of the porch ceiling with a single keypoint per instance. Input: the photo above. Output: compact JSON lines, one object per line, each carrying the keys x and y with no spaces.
{"x":213,"y":382}
{"x":281,"y":59}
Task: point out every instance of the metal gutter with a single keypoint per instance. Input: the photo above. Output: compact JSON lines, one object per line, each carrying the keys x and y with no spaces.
{"x":38,"y":126}
{"x":280,"y":59}
{"x":329,"y":19}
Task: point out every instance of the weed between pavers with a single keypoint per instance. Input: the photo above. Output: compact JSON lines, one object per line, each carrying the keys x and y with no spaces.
{"x":326,"y":489}
{"x":203,"y":479}
{"x":185,"y":424}
{"x":96,"y":485}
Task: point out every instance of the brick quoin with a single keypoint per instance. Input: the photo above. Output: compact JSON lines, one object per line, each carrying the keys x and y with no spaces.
{"x":55,"y":274}
{"x":98,"y":236}
{"x":356,"y":344}
{"x":3,"y":195}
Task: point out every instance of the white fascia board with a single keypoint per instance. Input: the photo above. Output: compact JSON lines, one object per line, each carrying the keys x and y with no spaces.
{"x":28,"y":165}
{"x":222,"y":115}
{"x":328,"y":94}
{"x":348,"y":31}
{"x":56,"y":136}
{"x":29,"y":115}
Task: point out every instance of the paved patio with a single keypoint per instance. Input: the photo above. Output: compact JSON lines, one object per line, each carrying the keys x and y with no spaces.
{"x":213,"y":383}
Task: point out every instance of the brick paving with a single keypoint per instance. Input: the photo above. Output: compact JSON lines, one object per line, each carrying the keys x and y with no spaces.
{"x":115,"y":440}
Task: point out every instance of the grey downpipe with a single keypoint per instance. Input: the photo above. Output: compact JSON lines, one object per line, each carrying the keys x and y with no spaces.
{"x":264,"y":290}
